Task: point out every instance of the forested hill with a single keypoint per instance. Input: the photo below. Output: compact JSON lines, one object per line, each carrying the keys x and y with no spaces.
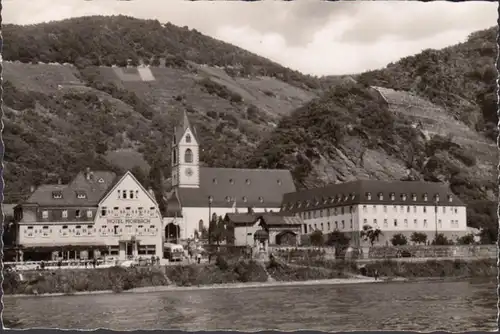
{"x":66,"y":107}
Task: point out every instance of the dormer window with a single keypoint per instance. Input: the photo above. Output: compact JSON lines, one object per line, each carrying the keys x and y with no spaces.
{"x":279,"y":182}
{"x":214,"y":181}
{"x":331,"y":199}
{"x":245,"y":199}
{"x":414,"y":197}
{"x":261,"y":199}
{"x":345,"y":197}
{"x":307,"y":204}
{"x":231,"y":181}
{"x":403,"y":197}
{"x":353,"y":196}
{"x":450,"y":198}
{"x":188,"y":138}
{"x":299,"y":204}
{"x":325,"y":200}
{"x":369,"y":196}
{"x":436,"y":198}
{"x":425,"y":197}
{"x":380,"y":196}
{"x":393,"y":196}
{"x":57,"y":194}
{"x":101,"y":180}
{"x":81,"y":195}
{"x":228,"y":199}
{"x":316,"y":202}
{"x":247,"y":181}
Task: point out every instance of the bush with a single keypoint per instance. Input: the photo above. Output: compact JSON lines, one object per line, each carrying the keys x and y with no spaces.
{"x":399,"y":240}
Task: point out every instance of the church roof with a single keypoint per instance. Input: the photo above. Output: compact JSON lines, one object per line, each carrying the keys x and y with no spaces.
{"x":269,"y":218}
{"x":173,"y":205}
{"x":183,"y":126}
{"x":261,"y":188}
{"x":370,"y":192}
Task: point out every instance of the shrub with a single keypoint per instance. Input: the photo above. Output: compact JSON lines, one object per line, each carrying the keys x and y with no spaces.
{"x":399,"y":240}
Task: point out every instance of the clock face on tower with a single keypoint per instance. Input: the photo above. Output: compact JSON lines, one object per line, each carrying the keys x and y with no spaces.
{"x":189,"y":172}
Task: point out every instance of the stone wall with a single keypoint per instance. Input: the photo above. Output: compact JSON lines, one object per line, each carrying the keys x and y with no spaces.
{"x":482,"y":251}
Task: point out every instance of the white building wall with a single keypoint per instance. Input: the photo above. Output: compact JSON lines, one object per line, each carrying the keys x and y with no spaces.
{"x":192,"y":216}
{"x":136,"y":216}
{"x":451,"y":220}
{"x":191,"y":181}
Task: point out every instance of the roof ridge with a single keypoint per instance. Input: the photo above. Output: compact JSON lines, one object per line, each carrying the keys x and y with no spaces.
{"x":248,"y":169}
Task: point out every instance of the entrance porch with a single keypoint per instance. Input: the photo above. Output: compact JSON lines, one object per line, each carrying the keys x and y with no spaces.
{"x":127,"y":248}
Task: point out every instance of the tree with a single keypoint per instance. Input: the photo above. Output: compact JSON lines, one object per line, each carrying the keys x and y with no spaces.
{"x":317,"y":238}
{"x":370,"y":234}
{"x":399,"y":240}
{"x":418,"y":238}
{"x":140,"y":176}
{"x":339,"y":240}
{"x":467,"y":239}
{"x":219,"y":231}
{"x":441,"y":240}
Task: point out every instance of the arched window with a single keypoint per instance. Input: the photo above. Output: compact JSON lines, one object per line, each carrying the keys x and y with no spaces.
{"x":188,"y":138}
{"x":188,"y":156}
{"x":174,"y":156}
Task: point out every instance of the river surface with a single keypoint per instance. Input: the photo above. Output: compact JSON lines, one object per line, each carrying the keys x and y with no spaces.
{"x":425,"y":306}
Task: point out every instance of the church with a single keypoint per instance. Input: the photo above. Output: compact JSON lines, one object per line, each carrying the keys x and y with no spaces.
{"x":199,"y":192}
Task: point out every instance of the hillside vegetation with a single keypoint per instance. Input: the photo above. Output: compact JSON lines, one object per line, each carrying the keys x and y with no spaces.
{"x":429,"y":116}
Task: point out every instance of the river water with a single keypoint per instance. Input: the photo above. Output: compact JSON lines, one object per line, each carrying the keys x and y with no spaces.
{"x":425,"y":306}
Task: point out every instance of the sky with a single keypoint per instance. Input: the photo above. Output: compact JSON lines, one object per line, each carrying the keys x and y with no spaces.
{"x":318,"y":38}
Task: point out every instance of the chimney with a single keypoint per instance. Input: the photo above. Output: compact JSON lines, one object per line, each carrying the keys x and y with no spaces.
{"x":32,"y":189}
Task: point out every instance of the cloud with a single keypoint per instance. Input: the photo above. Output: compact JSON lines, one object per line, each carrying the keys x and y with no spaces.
{"x":311,"y":36}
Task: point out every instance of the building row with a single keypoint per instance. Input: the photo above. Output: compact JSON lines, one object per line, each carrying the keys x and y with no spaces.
{"x":101,"y":213}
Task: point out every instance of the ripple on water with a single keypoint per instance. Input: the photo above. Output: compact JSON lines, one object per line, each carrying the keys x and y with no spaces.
{"x":450,"y":306}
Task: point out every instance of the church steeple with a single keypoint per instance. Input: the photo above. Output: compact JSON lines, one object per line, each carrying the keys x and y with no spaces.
{"x":185,"y":156}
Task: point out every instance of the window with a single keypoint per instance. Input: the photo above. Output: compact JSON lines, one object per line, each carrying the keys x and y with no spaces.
{"x":425,"y":197}
{"x":136,"y":194}
{"x":336,"y":225}
{"x":364,"y":208}
{"x":124,"y":194}
{"x":369,"y":196}
{"x":402,"y":209}
{"x":439,"y":223}
{"x":231,"y":181}
{"x":335,"y":211}
{"x":247,"y":181}
{"x":57,"y":194}
{"x":89,"y":214}
{"x":188,"y":138}
{"x":415,"y":222}
{"x":414,"y":209}
{"x":342,"y":210}
{"x":380,"y":196}
{"x":103,"y":212}
{"x":375,"y":223}
{"x":374,"y":209}
{"x":444,"y":209}
{"x":385,"y":208}
{"x":188,"y":156}
{"x":45,"y":231}
{"x":425,"y":209}
{"x":131,"y":194}
{"x":413,"y":197}
{"x":81,"y":195}
{"x":77,"y":214}
{"x":100,"y":180}
{"x":408,"y":209}
{"x":119,"y":194}
{"x":385,"y":223}
{"x":395,"y":222}
{"x":321,"y":226}
{"x":343,"y":225}
{"x":456,"y":210}
{"x":425,"y":222}
{"x":65,"y":214}
{"x":436,"y":198}
{"x":128,"y":212}
{"x":406,"y":222}
{"x":315,"y":227}
{"x":365,"y":221}
{"x":395,"y":208}
{"x":261,"y":199}
{"x":321,"y":213}
{"x":450,"y":198}
{"x":279,"y":182}
{"x":392,"y":196}
{"x":328,"y":224}
{"x":351,"y":224}
{"x":403,"y":197}
{"x":45,"y":214}
{"x":78,"y":230}
{"x":245,"y":199}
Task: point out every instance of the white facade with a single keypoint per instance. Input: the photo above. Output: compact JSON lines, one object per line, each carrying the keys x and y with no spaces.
{"x":191,"y":217}
{"x":390,"y":219}
{"x":185,"y":161}
{"x":128,"y":219}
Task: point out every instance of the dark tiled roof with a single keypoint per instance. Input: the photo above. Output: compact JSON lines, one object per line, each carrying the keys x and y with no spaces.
{"x":262,"y":188}
{"x":93,"y":189}
{"x":174,"y":205}
{"x":182,"y":127}
{"x":356,"y":192}
{"x":269,"y":218}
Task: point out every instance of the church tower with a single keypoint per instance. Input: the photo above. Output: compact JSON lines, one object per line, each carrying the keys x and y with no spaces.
{"x":185,"y":156}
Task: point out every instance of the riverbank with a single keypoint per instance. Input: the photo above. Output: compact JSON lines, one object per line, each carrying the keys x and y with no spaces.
{"x":239,"y":274}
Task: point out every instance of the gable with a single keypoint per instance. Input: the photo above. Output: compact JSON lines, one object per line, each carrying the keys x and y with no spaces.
{"x":135,"y":193}
{"x":188,"y":134}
